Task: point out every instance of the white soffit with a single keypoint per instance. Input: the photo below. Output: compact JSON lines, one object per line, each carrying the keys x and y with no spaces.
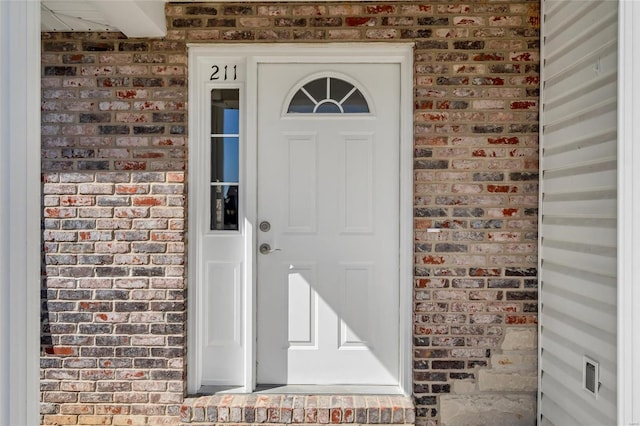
{"x":60,"y":15}
{"x":134,"y":18}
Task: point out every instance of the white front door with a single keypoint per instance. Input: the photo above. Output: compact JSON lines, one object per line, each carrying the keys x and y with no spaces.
{"x":328,"y":216}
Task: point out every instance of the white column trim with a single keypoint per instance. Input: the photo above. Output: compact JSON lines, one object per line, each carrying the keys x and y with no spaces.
{"x":628,"y":214}
{"x":541,"y":145}
{"x":20,"y":214}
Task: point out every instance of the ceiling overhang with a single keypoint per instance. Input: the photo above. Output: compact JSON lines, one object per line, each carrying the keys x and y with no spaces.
{"x":134,"y":18}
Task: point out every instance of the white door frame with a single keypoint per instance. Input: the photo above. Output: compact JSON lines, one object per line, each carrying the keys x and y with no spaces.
{"x":247,"y":57}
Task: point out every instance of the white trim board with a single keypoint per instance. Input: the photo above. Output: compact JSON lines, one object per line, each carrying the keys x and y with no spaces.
{"x":628,"y":214}
{"x":20,"y":212}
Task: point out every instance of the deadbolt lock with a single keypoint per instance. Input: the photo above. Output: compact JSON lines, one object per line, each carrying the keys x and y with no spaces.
{"x":265,"y":226}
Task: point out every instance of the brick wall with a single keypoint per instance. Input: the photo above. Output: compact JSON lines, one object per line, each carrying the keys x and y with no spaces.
{"x":114,"y":178}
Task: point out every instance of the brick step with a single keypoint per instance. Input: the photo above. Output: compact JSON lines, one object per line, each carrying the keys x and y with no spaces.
{"x":287,"y":409}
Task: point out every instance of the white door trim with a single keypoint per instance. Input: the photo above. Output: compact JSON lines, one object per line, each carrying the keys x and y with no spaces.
{"x":250,"y":56}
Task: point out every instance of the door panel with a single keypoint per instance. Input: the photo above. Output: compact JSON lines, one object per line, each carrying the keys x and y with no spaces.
{"x":225,"y":304}
{"x":356,"y":185}
{"x":327,"y":287}
{"x":302,"y":305}
{"x":301,"y":182}
{"x":356,"y":279}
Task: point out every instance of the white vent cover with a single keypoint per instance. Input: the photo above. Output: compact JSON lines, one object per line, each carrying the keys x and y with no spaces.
{"x":590,"y":376}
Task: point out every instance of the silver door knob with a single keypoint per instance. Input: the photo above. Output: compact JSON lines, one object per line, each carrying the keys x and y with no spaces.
{"x":265,"y":226}
{"x":266,"y":248}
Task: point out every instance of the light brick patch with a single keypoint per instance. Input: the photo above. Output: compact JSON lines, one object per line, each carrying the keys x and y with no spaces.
{"x":512,"y":409}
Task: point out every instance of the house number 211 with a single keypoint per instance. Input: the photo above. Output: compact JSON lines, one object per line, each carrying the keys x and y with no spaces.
{"x":224,"y":73}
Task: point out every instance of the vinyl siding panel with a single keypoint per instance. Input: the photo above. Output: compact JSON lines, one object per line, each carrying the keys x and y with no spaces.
{"x":578,"y":226}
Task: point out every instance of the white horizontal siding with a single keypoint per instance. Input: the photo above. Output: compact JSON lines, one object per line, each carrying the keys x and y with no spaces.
{"x":578,"y":222}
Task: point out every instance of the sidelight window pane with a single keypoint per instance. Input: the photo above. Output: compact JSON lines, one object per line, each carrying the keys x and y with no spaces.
{"x":224,"y":207}
{"x":225,"y":159}
{"x":225,"y":108}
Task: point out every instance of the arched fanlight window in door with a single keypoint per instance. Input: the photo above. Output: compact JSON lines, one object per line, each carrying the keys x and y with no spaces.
{"x":328,"y":95}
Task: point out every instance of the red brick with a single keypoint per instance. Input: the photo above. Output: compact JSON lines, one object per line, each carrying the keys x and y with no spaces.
{"x":504,"y":140}
{"x":381,"y":9}
{"x":469,"y":20}
{"x":94,"y":420}
{"x":77,"y":200}
{"x":60,"y":419}
{"x":76,"y":409}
